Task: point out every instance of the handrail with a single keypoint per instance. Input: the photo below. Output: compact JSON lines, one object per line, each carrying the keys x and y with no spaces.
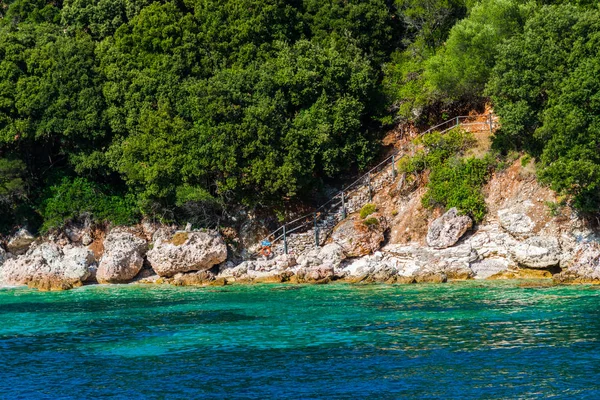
{"x":316,"y":215}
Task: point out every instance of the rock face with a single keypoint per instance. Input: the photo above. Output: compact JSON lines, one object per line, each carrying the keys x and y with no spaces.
{"x":516,"y":222}
{"x":402,"y":265}
{"x":123,"y":257}
{"x":319,"y":274}
{"x":537,"y":252}
{"x":186,"y":251}
{"x":198,"y":278}
{"x":448,"y":229}
{"x":19,"y":243}
{"x":320,"y":264}
{"x":275,"y":270}
{"x":331,"y":254}
{"x":2,"y":256}
{"x":484,"y":269}
{"x":358,"y":237}
{"x":585,"y":267}
{"x":49,"y":267}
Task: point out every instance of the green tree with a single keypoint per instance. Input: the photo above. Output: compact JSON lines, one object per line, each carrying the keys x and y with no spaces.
{"x":429,"y":21}
{"x":31,"y":11}
{"x":101,"y":18}
{"x":545,"y":90}
{"x":461,"y":68}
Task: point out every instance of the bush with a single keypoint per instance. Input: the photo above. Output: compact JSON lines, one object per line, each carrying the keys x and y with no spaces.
{"x":457,"y":183}
{"x":437,"y":149}
{"x":453,"y":182}
{"x":367,"y":210}
{"x":371,"y":222}
{"x":76,"y":199}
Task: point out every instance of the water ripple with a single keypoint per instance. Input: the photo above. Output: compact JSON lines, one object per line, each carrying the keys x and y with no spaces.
{"x":483,"y":340}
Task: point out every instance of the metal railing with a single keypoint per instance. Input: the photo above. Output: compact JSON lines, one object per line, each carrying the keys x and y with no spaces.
{"x":324,"y":218}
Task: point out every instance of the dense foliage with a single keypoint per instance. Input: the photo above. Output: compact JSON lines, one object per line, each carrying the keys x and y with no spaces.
{"x":552,"y":106}
{"x":537,"y":61}
{"x":185,"y":105}
{"x":113,"y":109}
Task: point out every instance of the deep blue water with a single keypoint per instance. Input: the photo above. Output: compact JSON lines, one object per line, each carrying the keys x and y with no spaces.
{"x":462,"y":340}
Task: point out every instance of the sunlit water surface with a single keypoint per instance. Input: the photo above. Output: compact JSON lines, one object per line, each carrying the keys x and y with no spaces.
{"x":472,"y":339}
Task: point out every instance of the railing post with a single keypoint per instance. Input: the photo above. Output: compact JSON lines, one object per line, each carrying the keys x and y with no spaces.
{"x":343,"y":207}
{"x":316,"y":231}
{"x":285,"y":243}
{"x":370,"y":189}
{"x":456,"y":121}
{"x":394,"y":166}
{"x":491,"y":123}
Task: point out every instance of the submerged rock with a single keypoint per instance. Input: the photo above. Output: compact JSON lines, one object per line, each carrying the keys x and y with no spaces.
{"x":448,"y":229}
{"x":187,"y":251}
{"x":123,"y":257}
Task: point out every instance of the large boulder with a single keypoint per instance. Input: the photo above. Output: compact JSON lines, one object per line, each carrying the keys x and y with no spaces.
{"x":537,"y":252}
{"x":19,"y":242}
{"x":370,"y":269}
{"x":360,"y":237}
{"x":49,"y":267}
{"x":187,"y":251}
{"x":123,"y":257}
{"x":331,"y":254}
{"x":448,"y":229}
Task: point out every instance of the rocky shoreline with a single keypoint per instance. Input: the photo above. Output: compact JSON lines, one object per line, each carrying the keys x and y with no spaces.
{"x":151,"y":254}
{"x":399,"y":242}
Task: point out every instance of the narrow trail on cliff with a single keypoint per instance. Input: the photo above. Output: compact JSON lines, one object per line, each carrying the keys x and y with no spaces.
{"x":313,"y":229}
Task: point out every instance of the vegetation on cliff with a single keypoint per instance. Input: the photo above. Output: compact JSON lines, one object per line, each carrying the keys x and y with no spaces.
{"x":114,"y":109}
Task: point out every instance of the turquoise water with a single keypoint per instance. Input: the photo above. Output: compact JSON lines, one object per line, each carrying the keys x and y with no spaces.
{"x":472,"y":339}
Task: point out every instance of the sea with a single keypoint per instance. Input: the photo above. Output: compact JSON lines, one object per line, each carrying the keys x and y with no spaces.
{"x":474,"y":339}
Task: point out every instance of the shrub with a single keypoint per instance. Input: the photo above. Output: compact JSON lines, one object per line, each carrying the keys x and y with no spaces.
{"x":371,"y":222}
{"x":457,"y":183}
{"x":367,"y":210}
{"x":453,"y":182}
{"x":437,"y":149}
